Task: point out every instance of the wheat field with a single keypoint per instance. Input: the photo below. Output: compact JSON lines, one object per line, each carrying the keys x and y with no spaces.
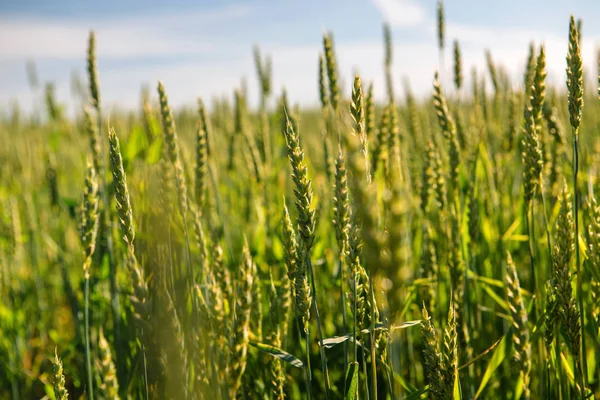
{"x":445,"y":247}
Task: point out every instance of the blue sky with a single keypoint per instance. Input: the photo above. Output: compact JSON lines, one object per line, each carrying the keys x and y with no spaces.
{"x":204,"y":48}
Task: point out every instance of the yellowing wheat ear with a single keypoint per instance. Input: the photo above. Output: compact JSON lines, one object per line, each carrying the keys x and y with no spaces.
{"x":59,"y":379}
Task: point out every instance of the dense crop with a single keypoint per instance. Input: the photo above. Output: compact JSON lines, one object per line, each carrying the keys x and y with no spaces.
{"x":443,"y":249}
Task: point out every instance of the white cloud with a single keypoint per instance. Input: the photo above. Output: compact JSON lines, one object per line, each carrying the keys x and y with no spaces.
{"x":138,"y":36}
{"x":509,"y":47}
{"x":223,"y":63}
{"x":401,"y":13}
{"x":131,"y":50}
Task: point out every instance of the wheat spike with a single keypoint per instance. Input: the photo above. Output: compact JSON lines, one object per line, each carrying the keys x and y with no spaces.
{"x":241,"y":326}
{"x":519,"y":321}
{"x":323,"y":95}
{"x":296,"y":270}
{"x":449,"y":131}
{"x":561,"y":260}
{"x":109,"y":386}
{"x":200,"y":170}
{"x":60,"y":392}
{"x":432,"y":358}
{"x":357,"y":112}
{"x":170,"y":134}
{"x":332,"y":73}
{"x":124,"y":209}
{"x":450,"y":350}
{"x":93,"y":71}
{"x":303,"y":191}
{"x":92,"y":130}
{"x":89,"y":217}
{"x":440,"y":24}
{"x":594,"y":251}
{"x":574,"y":78}
{"x":458,"y":75}
{"x":341,"y":204}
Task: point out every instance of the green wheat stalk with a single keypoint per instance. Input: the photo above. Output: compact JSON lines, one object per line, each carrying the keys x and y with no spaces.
{"x":575,"y":97}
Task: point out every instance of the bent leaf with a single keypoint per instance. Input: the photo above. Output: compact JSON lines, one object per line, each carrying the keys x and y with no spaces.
{"x":406,"y":324}
{"x":503,"y":349}
{"x":351,"y":392}
{"x":278,"y":353}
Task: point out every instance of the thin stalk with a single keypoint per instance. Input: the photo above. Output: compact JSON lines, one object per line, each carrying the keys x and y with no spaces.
{"x":364,"y":365}
{"x":530,"y":235}
{"x":188,"y":252}
{"x":319,"y":328}
{"x":467,"y":317}
{"x":390,"y":367}
{"x":582,"y":354}
{"x":145,"y":373}
{"x":88,"y":357}
{"x":355,"y":310}
{"x":542,"y":349}
{"x":112,"y":266}
{"x":345,"y":331}
{"x":14,"y":384}
{"x":373,"y":359}
{"x":307,"y":372}
{"x":559,"y":370}
{"x":13,"y":358}
{"x":547,"y":225}
{"x":534,"y":284}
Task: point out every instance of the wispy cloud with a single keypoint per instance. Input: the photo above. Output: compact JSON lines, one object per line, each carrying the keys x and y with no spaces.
{"x":509,"y":47}
{"x":194,"y":54}
{"x":126,"y":37}
{"x":401,"y":13}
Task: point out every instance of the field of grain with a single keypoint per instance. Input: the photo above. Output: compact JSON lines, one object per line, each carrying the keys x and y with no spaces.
{"x":443,"y":248}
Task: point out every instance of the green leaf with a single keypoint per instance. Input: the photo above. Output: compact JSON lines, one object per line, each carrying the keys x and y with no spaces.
{"x":567,"y":367}
{"x":417,"y":394}
{"x":499,"y":300}
{"x":489,"y":281}
{"x":54,"y":140}
{"x":518,"y":388}
{"x":518,"y":238}
{"x":351,"y":390}
{"x":397,"y":378}
{"x":154,"y":151}
{"x":332,"y":341}
{"x":136,"y":143}
{"x":512,"y":229}
{"x":69,"y":202}
{"x":538,"y":328}
{"x":486,"y":351}
{"x":404,"y":325}
{"x":278,"y":353}
{"x":590,"y":266}
{"x":503,"y":349}
{"x":456,"y":390}
{"x":410,"y":297}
